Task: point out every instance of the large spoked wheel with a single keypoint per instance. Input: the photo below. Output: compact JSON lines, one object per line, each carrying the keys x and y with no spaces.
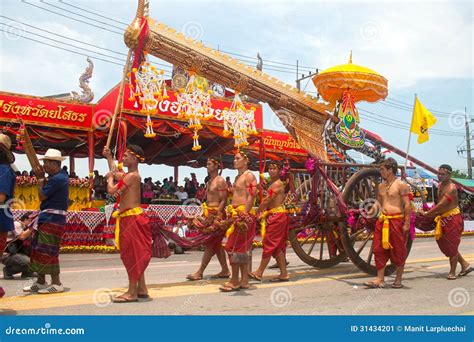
{"x":318,"y":245}
{"x":361,"y":192}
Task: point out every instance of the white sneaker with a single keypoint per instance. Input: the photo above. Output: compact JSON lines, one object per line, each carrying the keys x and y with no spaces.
{"x":35,"y":287}
{"x":52,"y":289}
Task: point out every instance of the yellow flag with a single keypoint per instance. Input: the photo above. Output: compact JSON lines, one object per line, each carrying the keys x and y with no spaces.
{"x":421,"y":121}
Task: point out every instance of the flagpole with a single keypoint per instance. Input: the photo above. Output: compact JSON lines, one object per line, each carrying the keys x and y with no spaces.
{"x":409,"y":135}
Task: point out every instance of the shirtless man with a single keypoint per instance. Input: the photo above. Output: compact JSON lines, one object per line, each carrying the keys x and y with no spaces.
{"x":393,"y":224}
{"x":449,"y":222}
{"x":274,"y":223}
{"x":132,"y":233}
{"x":216,"y":197}
{"x":241,"y":233}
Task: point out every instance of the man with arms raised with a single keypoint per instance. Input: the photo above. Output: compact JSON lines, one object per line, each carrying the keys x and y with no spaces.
{"x":132,"y":233}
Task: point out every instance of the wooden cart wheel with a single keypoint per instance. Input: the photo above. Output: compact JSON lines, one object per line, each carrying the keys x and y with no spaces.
{"x":361,"y":192}
{"x":318,"y":245}
{"x":314,"y":237}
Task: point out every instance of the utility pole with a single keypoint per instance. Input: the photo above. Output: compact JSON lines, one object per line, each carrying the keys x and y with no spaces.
{"x":303,"y":77}
{"x":468,"y":146}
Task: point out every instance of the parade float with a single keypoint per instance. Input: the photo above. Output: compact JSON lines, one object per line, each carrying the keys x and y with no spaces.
{"x":201,"y":112}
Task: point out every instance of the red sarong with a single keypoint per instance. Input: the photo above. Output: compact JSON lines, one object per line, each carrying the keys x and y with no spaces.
{"x":452,"y":227}
{"x":276,"y":235}
{"x":135,"y":245}
{"x":397,"y":239}
{"x":241,"y":242}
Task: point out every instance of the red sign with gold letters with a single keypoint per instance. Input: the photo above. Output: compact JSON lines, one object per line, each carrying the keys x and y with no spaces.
{"x":281,"y":142}
{"x":38,"y":111}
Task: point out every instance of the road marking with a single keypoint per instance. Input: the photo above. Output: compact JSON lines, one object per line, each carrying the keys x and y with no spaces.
{"x":86,"y":297}
{"x":152,"y":265}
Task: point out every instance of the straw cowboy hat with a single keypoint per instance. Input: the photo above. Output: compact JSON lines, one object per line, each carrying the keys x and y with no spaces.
{"x":52,"y":154}
{"x":5,"y":147}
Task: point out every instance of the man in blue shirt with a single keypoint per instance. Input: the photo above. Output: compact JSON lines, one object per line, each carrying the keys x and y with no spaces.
{"x":54,"y":196}
{"x":7,"y":185}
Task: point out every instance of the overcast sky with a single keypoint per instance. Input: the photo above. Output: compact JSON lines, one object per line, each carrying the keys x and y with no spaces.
{"x":420,"y":47}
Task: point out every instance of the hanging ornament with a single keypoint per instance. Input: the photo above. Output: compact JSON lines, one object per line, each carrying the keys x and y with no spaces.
{"x":239,"y":121}
{"x":148,"y":90}
{"x":20,"y":137}
{"x":194,"y":105}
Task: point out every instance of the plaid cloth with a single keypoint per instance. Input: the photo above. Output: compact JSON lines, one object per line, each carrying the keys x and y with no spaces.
{"x":45,"y":248}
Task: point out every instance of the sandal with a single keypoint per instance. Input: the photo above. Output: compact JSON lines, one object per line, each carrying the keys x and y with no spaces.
{"x":397,"y":286}
{"x":278,"y":279}
{"x":254,"y":277}
{"x":451,"y":277}
{"x":121,"y":299}
{"x":192,"y":277}
{"x":465,"y":272}
{"x":373,"y":285}
{"x":229,"y":288}
{"x":220,"y":276}
{"x":143,"y":296}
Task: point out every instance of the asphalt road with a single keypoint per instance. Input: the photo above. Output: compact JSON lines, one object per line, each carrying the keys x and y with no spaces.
{"x":90,"y":280}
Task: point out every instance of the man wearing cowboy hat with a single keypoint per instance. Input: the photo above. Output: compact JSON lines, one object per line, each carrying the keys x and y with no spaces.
{"x":54,"y":195}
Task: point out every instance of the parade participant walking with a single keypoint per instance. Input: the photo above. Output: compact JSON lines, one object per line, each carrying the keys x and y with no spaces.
{"x":213,"y":209}
{"x":54,"y":196}
{"x":274,"y":225}
{"x":132,"y":233}
{"x":449,"y":222}
{"x":393,"y":224}
{"x":242,"y":230}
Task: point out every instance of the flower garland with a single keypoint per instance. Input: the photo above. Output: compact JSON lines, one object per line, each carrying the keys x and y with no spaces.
{"x":194,"y":105}
{"x":239,"y":121}
{"x":150,"y":89}
{"x":79,"y":182}
{"x":88,"y":249}
{"x":25,"y":181}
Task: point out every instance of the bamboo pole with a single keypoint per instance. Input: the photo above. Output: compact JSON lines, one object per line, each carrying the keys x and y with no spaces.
{"x":30,"y":150}
{"x":118,"y":104}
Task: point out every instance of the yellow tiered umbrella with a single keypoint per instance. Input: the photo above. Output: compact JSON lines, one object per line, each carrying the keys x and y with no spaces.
{"x":364,"y":84}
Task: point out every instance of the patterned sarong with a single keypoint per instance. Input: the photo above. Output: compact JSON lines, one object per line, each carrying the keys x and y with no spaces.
{"x":45,"y":248}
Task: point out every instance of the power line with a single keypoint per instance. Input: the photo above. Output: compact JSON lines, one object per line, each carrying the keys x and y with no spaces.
{"x":75,"y":19}
{"x":75,"y":40}
{"x":281,"y":69}
{"x":402,"y":125}
{"x":58,"y":35}
{"x":94,"y":13}
{"x":79,"y":15}
{"x":71,"y":45}
{"x":61,"y":48}
{"x":270,"y":67}
{"x":410,"y":106}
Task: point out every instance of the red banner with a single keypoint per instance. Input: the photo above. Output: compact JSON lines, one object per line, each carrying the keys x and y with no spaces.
{"x":42,"y":112}
{"x":170,"y":108}
{"x":281,"y":142}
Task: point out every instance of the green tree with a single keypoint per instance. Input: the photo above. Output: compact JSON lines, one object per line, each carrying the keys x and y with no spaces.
{"x":459,"y":174}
